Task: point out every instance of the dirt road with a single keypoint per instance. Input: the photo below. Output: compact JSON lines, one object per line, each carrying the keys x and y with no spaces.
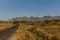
{"x":7,"y":33}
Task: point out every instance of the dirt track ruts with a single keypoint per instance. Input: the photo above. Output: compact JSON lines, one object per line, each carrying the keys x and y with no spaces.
{"x":7,"y":33}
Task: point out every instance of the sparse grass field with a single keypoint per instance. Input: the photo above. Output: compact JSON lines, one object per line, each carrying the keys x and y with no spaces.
{"x":40,"y":30}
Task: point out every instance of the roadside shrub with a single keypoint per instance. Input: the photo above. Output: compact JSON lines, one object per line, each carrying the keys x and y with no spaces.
{"x":46,"y":22}
{"x":15,"y":22}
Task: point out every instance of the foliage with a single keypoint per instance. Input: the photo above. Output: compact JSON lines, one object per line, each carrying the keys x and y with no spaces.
{"x":15,"y":22}
{"x":46,"y":22}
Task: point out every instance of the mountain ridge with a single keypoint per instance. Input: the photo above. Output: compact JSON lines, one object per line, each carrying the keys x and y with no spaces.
{"x":35,"y":18}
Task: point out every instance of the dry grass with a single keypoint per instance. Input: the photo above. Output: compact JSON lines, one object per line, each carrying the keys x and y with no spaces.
{"x":45,"y":30}
{"x":36,"y":31}
{"x":4,"y":25}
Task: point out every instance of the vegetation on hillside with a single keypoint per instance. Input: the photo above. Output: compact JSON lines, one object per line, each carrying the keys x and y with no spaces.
{"x":29,"y":30}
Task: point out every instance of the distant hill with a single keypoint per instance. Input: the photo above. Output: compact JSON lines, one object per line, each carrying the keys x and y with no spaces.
{"x":35,"y":18}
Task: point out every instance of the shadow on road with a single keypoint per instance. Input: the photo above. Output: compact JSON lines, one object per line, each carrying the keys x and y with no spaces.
{"x":7,"y":33}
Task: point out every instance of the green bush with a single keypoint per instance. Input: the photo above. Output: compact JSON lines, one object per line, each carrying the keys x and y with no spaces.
{"x":15,"y":22}
{"x":47,"y":21}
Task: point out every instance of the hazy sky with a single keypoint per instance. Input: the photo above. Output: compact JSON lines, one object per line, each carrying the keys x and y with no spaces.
{"x":17,"y":8}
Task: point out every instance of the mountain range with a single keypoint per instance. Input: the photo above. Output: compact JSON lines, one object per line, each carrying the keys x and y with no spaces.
{"x":35,"y":18}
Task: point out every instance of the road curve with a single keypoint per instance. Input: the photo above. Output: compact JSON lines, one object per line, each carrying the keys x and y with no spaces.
{"x":7,"y":33}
